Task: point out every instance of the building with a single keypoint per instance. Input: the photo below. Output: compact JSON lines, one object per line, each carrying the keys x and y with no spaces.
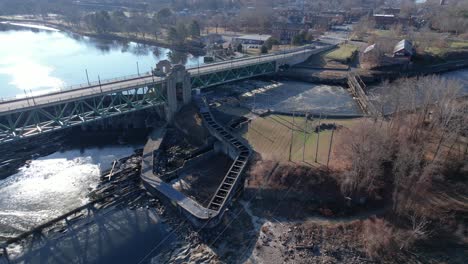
{"x":391,"y":11}
{"x":323,"y":21}
{"x":356,"y":13}
{"x":403,"y":49}
{"x":385,"y":20}
{"x":285,"y":32}
{"x":252,"y":41}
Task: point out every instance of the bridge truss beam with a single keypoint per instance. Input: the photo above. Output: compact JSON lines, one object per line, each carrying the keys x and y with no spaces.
{"x":43,"y":119}
{"x":232,"y":74}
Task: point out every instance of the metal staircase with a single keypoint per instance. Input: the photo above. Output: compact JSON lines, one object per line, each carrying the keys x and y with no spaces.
{"x":232,"y":178}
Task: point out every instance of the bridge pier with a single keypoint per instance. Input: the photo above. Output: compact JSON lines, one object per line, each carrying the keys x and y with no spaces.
{"x":178,"y":90}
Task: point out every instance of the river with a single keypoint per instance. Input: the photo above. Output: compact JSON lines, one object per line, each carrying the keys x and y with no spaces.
{"x":52,"y":185}
{"x":37,"y":59}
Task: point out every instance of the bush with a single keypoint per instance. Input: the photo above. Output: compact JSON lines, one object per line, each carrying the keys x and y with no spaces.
{"x":382,"y":240}
{"x":271,"y":42}
{"x":264,"y":49}
{"x":379,"y":238}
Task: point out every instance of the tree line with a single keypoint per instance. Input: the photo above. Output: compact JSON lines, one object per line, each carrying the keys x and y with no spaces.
{"x":161,"y":25}
{"x":414,"y":160}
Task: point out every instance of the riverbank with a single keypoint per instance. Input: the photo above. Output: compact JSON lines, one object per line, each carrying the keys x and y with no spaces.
{"x":60,"y":25}
{"x":335,"y":77}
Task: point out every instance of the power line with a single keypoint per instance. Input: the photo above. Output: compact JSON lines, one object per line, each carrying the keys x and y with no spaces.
{"x":277,"y":206}
{"x":175,"y":230}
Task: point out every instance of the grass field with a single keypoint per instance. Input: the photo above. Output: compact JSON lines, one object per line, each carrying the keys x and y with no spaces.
{"x":451,"y":47}
{"x":271,"y":137}
{"x":459,"y":45}
{"x":343,"y":54}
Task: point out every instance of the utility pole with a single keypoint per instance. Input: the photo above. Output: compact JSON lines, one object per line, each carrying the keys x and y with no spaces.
{"x":99,"y":80}
{"x":292,"y":137}
{"x":32,"y":97}
{"x":26,"y":96}
{"x":318,"y":138}
{"x":87,"y":77}
{"x":138,"y":68}
{"x":254,"y":96}
{"x":331,"y":144}
{"x":305,"y":129}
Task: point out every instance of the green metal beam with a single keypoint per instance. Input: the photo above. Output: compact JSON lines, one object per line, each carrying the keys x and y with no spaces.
{"x":14,"y":126}
{"x":232,"y":74}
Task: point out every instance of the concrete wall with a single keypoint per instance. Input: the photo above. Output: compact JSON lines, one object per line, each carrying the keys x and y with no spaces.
{"x":302,"y":57}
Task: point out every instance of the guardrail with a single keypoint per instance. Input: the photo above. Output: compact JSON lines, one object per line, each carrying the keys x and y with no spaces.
{"x":147,"y":74}
{"x":31,"y":102}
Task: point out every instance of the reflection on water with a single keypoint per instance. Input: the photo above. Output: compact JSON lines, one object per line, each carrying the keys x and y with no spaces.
{"x":51,"y":186}
{"x":177,"y":57}
{"x":461,"y":76}
{"x":38,"y":59}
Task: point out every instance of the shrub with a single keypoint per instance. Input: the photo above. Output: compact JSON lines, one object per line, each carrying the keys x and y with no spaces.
{"x":379,"y":238}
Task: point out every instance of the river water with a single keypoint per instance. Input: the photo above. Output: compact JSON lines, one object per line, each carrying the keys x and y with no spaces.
{"x":292,"y":96}
{"x":51,"y":186}
{"x":38,"y":59}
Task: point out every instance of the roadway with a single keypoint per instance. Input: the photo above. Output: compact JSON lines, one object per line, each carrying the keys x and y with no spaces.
{"x":68,"y":95}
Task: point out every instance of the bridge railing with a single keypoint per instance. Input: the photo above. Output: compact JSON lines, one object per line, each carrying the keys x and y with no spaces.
{"x":280,"y":52}
{"x":227,"y":64}
{"x":32,"y":102}
{"x":76,"y":86}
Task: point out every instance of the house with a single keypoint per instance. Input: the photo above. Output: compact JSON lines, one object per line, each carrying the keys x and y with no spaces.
{"x":403,"y":49}
{"x":252,"y":41}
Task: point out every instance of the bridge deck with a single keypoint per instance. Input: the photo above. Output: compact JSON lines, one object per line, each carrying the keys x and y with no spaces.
{"x":107,"y":87}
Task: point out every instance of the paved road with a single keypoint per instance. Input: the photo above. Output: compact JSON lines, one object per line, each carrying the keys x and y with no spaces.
{"x":83,"y":92}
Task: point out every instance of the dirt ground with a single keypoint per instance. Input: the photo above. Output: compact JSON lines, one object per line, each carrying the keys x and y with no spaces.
{"x":201,"y":181}
{"x":308,"y":242}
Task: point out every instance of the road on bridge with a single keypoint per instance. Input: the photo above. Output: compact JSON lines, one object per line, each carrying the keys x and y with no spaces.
{"x":122,"y":85}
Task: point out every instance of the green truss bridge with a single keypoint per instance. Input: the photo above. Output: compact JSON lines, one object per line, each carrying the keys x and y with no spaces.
{"x":168,"y":87}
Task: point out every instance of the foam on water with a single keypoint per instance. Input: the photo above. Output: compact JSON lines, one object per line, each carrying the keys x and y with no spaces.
{"x":291,"y":96}
{"x":51,"y":186}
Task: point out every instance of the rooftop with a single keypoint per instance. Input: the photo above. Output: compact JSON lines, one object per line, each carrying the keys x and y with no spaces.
{"x":403,"y":44}
{"x":262,"y":37}
{"x":383,"y":15}
{"x":370,"y":48}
